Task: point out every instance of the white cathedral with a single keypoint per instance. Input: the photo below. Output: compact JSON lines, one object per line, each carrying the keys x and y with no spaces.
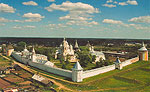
{"x":67,"y":51}
{"x":99,"y":54}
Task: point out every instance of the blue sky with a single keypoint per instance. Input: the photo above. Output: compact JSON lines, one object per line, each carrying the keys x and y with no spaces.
{"x":75,"y":18}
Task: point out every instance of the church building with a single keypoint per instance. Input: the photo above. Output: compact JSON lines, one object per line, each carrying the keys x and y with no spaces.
{"x":66,"y":51}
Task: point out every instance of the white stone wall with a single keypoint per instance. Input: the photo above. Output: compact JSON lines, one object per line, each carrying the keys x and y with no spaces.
{"x":130,"y":61}
{"x":58,"y":71}
{"x":69,"y":74}
{"x":93,"y":72}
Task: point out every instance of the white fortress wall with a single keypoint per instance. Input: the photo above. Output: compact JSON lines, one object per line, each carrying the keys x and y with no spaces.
{"x":68,"y":73}
{"x":130,"y":61}
{"x":16,"y":56}
{"x":54,"y":70}
{"x":125,"y":63}
{"x":93,"y":72}
{"x":19,"y":58}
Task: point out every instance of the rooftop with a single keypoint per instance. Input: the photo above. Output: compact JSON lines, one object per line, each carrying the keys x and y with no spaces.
{"x":77,"y":66}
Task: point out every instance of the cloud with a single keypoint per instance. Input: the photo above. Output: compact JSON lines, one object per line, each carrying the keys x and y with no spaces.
{"x":6,"y":8}
{"x":33,"y":17}
{"x":30,"y":3}
{"x":122,"y":3}
{"x":110,"y":21}
{"x":28,"y":26}
{"x":24,"y":27}
{"x":56,"y":26}
{"x":109,"y":1}
{"x":73,"y":7}
{"x":51,"y":0}
{"x":29,"y":18}
{"x":82,"y":23}
{"x":2,"y":24}
{"x":141,"y":19}
{"x":115,"y":2}
{"x":139,"y":27}
{"x":17,"y":27}
{"x":93,"y":23}
{"x":79,"y":13}
{"x":7,"y":20}
{"x":120,"y":23}
{"x":132,"y":2}
{"x":74,"y":18}
{"x":3,"y":19}
{"x":109,"y":5}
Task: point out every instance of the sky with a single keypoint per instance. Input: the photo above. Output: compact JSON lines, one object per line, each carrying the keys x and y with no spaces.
{"x":127,"y":19}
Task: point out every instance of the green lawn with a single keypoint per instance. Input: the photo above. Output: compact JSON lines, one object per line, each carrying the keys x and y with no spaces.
{"x":133,"y":79}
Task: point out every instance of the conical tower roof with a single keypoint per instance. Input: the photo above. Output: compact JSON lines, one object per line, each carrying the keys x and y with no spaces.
{"x":9,"y":46}
{"x":25,"y":48}
{"x":117,"y":60}
{"x":33,"y":51}
{"x":77,"y":66}
{"x":76,"y":45}
{"x":143,"y":48}
{"x":88,"y":44}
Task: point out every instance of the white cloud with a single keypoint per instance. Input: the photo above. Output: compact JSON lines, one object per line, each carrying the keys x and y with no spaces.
{"x":115,"y":2}
{"x":109,"y":5}
{"x":7,"y":20}
{"x":28,"y":26}
{"x":74,"y":18}
{"x":56,"y":26}
{"x":6,"y":8}
{"x":51,"y":0}
{"x":122,"y":3}
{"x":3,"y":19}
{"x":93,"y":23}
{"x":73,"y":7}
{"x":33,"y":17}
{"x":120,"y":23}
{"x":79,"y":13}
{"x":141,"y":19}
{"x":17,"y":27}
{"x":139,"y":27}
{"x":2,"y":24}
{"x":109,"y":1}
{"x":82,"y":23}
{"x":24,"y":27}
{"x":132,"y":2}
{"x":30,"y":3}
{"x":110,"y":21}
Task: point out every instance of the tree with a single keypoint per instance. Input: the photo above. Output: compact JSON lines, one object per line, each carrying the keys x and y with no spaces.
{"x":64,"y":66}
{"x":21,"y":44}
{"x":93,"y":58}
{"x":85,"y":58}
{"x":67,"y":61}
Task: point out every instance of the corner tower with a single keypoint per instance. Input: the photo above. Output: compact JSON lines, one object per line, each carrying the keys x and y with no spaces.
{"x":77,"y":71}
{"x":143,"y":53}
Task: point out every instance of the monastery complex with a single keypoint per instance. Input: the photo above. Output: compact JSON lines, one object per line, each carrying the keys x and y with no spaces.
{"x":67,"y":51}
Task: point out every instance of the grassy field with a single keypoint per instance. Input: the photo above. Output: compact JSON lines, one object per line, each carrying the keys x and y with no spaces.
{"x":132,"y":78}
